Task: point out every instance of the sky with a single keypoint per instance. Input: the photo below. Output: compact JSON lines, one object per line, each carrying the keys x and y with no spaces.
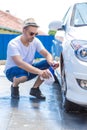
{"x":44,"y":11}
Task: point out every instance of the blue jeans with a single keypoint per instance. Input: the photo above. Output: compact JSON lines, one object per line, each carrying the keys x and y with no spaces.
{"x":18,"y":72}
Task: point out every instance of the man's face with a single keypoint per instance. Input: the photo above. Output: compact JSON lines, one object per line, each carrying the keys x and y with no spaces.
{"x":29,"y":33}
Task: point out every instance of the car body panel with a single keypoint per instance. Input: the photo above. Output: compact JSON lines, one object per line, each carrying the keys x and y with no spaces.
{"x":74,"y":67}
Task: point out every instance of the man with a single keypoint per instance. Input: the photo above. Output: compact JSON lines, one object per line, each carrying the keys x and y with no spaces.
{"x":20,"y":55}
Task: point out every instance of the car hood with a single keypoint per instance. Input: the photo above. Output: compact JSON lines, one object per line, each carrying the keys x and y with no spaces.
{"x":77,"y":33}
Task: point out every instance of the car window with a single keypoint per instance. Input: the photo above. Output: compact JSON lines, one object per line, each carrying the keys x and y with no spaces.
{"x":80,"y":14}
{"x":66,"y":16}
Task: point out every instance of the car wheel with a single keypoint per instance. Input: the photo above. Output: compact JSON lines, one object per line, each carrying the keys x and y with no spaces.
{"x":63,"y":84}
{"x":56,"y":80}
{"x":66,"y":104}
{"x":71,"y":107}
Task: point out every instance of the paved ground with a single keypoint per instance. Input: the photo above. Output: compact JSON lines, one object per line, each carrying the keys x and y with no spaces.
{"x":28,"y":113}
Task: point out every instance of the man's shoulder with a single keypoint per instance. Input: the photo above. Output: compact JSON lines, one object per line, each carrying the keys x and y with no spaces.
{"x":14,"y":40}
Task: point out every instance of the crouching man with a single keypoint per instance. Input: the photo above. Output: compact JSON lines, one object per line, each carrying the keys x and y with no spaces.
{"x":19,"y":66}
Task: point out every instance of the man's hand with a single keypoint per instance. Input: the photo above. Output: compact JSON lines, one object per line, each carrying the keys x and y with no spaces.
{"x":45,"y":74}
{"x":54,"y":64}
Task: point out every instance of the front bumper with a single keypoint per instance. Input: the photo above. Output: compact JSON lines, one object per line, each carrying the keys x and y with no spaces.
{"x":75,"y":69}
{"x":75,"y":93}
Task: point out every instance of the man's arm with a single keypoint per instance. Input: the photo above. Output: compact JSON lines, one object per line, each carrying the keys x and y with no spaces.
{"x":29,"y":68}
{"x":49,"y":58}
{"x":22,"y":64}
{"x":47,"y":55}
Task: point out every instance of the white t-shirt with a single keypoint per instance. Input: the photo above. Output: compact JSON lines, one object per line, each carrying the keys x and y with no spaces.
{"x":16,"y":47}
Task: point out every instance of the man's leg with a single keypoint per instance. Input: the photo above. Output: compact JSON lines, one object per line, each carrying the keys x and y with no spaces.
{"x":38,"y":82}
{"x":16,"y":76}
{"x":35,"y":91}
{"x":15,"y":87}
{"x":17,"y":81}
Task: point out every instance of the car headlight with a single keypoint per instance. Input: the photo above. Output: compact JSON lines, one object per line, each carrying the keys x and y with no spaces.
{"x":80,"y":49}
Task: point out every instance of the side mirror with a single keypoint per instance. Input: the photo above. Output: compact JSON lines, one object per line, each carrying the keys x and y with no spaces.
{"x":55,"y":25}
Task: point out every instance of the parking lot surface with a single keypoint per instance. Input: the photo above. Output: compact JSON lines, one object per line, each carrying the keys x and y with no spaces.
{"x":28,"y":113}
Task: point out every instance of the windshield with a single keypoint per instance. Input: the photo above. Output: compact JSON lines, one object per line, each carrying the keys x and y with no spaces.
{"x":80,"y":14}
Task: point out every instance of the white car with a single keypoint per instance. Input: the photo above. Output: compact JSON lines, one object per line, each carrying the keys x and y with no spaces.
{"x":73,"y":58}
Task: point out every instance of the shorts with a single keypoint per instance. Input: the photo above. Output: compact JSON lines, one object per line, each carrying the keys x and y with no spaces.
{"x":18,"y":72}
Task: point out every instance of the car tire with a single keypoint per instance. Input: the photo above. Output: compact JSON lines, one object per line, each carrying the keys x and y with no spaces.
{"x":66,"y":104}
{"x":56,"y":80}
{"x":71,"y":107}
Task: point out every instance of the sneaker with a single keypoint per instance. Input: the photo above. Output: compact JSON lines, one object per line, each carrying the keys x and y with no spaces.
{"x":14,"y":92}
{"x":37,"y":93}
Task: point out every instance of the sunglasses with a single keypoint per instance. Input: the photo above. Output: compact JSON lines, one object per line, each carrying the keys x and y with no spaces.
{"x":31,"y":34}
